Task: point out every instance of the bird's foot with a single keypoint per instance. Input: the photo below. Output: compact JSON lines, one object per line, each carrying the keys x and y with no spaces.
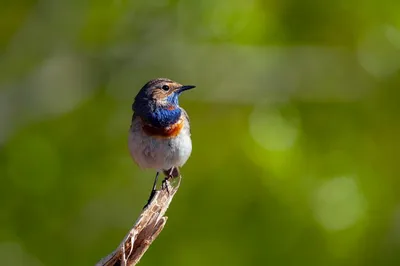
{"x":172,"y":172}
{"x":165,"y":183}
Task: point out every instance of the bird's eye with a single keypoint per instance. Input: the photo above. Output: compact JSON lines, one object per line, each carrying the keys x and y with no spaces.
{"x":165,"y":87}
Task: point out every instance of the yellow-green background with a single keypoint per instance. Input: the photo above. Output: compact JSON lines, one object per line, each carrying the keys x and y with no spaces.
{"x":295,"y":130}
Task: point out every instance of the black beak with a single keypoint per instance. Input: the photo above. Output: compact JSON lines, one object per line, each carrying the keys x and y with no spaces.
{"x":185,"y":88}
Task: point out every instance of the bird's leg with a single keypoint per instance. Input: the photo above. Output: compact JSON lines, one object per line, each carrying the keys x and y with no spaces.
{"x":169,"y":174}
{"x":153,"y":191}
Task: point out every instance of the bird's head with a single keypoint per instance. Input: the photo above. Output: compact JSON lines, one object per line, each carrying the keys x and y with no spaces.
{"x":158,"y":102}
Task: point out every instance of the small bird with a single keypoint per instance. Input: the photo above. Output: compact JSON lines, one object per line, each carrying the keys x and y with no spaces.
{"x":159,"y":136}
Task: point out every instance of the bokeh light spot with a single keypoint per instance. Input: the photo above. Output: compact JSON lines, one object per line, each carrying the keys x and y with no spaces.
{"x":338,"y":204}
{"x":379,"y":51}
{"x":60,"y":85}
{"x":272,"y":130}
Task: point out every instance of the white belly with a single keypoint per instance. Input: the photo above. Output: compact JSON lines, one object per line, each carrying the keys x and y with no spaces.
{"x":156,"y":152}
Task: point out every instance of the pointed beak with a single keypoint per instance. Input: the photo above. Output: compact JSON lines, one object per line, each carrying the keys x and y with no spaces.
{"x":185,"y":88}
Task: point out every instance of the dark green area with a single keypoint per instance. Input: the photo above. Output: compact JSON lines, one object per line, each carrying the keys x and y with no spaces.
{"x":294,"y":122}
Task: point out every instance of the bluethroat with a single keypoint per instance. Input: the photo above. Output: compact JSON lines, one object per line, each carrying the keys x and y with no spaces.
{"x":159,"y":136}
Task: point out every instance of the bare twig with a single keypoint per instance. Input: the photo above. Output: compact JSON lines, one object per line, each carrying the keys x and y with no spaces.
{"x":147,"y":227}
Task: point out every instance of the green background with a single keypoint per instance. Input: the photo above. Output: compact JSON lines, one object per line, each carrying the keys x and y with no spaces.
{"x":294,"y":121}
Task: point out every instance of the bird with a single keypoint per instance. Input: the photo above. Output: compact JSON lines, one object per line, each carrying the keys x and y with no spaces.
{"x":159,"y":135}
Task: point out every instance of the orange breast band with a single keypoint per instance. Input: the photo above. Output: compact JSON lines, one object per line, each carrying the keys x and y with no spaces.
{"x":164,"y":132}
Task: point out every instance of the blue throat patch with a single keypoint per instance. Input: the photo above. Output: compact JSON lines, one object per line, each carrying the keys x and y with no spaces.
{"x":159,"y":115}
{"x":164,"y":116}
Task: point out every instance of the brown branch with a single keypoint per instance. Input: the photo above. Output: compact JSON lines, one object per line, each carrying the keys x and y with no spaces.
{"x":147,"y":227}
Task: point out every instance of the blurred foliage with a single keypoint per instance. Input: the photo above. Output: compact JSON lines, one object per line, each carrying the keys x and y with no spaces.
{"x":294,"y":121}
